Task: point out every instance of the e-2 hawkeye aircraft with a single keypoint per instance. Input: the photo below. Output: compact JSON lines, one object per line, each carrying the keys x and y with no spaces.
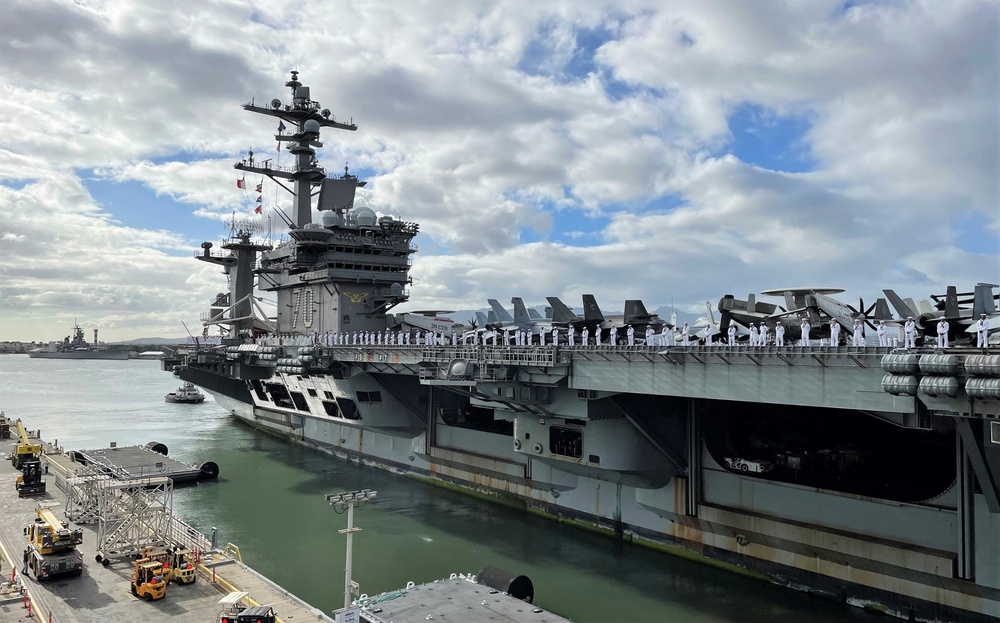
{"x":814,"y":304}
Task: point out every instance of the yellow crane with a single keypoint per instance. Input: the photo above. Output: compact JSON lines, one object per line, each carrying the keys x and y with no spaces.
{"x":52,"y":546}
{"x":26,"y":449}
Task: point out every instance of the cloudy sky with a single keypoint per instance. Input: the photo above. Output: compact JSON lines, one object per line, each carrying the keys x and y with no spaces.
{"x":669,"y":151}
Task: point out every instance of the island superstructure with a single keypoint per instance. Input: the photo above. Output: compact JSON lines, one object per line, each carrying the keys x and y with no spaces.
{"x":868,"y":473}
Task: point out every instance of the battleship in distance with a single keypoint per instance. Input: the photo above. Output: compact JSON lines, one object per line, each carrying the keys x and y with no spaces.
{"x":78,"y":348}
{"x":871,"y":474}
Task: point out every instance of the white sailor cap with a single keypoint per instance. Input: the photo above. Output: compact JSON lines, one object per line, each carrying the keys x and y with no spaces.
{"x":982,"y":315}
{"x":909,"y":317}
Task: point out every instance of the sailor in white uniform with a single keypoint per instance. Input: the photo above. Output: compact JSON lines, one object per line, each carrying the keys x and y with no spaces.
{"x":859,"y":334}
{"x":805,"y":328}
{"x":942,"y":332}
{"x":630,"y":334}
{"x":585,"y":335}
{"x":614,"y":335}
{"x":649,"y":336}
{"x":762,"y":340}
{"x":754,"y":334}
{"x":779,"y":334}
{"x":910,"y":333}
{"x":665,"y":335}
{"x":685,"y":338}
{"x":883,"y":337}
{"x":732,"y":334}
{"x":597,"y":336}
{"x":982,"y":330}
{"x":555,"y":336}
{"x":571,"y":336}
{"x":541,"y":337}
{"x":835,"y":333}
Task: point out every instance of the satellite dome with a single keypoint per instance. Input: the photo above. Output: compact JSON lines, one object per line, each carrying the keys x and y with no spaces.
{"x":311,"y":125}
{"x":396,"y":289}
{"x":365,"y":217}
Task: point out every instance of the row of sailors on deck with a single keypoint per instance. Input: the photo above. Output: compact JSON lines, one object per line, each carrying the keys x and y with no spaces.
{"x":759,"y":336}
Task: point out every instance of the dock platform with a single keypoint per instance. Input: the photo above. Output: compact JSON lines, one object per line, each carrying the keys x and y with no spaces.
{"x":140,"y":462}
{"x":102,"y":593}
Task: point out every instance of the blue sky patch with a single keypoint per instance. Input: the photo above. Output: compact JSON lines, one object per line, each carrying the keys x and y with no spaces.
{"x":133,"y":204}
{"x":538,"y":53}
{"x":15,"y":184}
{"x":971,"y":234}
{"x":762,"y":138}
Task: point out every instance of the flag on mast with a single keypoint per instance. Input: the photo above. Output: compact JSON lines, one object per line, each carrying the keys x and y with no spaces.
{"x":260,"y":187}
{"x":240,"y":183}
{"x":257,"y":210}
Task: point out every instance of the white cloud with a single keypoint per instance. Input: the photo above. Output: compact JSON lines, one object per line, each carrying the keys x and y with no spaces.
{"x":473,"y":124}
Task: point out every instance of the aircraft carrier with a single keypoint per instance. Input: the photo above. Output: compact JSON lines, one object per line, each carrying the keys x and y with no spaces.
{"x":867,"y":473}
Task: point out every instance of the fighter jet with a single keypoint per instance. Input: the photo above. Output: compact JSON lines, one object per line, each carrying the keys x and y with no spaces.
{"x":953,"y":307}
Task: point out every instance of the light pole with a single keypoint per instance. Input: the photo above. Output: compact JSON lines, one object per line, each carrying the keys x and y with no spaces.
{"x":347,"y":500}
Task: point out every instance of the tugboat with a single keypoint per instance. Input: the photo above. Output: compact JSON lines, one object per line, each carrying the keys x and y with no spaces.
{"x":186,"y":393}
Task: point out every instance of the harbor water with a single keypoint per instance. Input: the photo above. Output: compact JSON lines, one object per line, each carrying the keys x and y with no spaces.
{"x":270,"y":501}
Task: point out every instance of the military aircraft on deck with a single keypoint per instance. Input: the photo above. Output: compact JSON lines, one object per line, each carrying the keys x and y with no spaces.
{"x":953,"y":307}
{"x":593,"y":318}
{"x":815,"y":304}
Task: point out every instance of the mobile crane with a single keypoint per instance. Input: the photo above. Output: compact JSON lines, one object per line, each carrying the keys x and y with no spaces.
{"x":26,"y":449}
{"x":52,"y":546}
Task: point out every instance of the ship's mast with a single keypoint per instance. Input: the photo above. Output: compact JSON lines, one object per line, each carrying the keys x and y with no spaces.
{"x":304,"y":119}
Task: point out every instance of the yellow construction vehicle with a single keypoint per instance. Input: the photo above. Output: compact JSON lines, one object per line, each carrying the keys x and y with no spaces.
{"x":178,"y":563}
{"x":160,"y":554}
{"x":52,"y":546}
{"x":26,"y":449}
{"x":183,"y":565}
{"x":30,"y":481}
{"x":148,"y":580}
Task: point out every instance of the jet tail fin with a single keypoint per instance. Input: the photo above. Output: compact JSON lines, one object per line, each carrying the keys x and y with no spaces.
{"x":882,"y":310}
{"x":482,"y":319}
{"x":498,"y":310}
{"x":635,"y":313}
{"x":983,"y":301}
{"x":591,"y":312}
{"x":520,"y":311}
{"x":899,"y":305}
{"x":951,"y":302}
{"x":561,"y":313}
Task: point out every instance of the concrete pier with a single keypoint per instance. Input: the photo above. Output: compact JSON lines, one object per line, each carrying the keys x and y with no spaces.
{"x":102,"y":593}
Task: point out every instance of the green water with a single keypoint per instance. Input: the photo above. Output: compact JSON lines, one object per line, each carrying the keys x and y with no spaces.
{"x":270,"y":502}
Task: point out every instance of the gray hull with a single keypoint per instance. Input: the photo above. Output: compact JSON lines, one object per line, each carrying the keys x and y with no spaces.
{"x":117,"y":355}
{"x":903,"y":556}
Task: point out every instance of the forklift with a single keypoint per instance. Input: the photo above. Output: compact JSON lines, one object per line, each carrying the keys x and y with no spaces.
{"x":148,"y":581}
